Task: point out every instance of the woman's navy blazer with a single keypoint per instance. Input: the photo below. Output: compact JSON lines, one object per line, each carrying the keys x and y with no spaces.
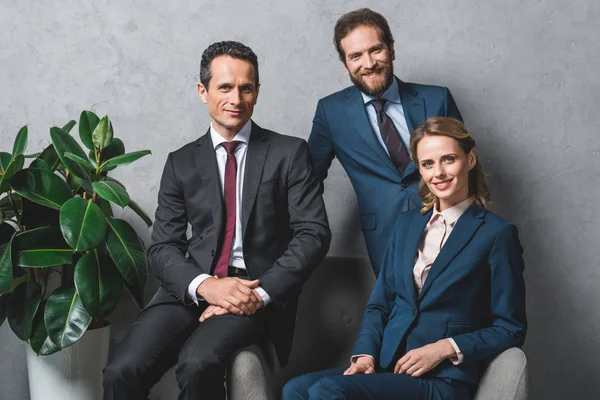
{"x":474,"y":293}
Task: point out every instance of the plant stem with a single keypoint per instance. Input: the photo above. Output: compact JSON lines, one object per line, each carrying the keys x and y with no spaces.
{"x":16,"y":211}
{"x":98,"y":167}
{"x":36,"y":276}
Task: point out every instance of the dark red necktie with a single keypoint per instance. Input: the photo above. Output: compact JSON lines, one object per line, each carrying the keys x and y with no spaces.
{"x":229,"y":189}
{"x":391,"y":137}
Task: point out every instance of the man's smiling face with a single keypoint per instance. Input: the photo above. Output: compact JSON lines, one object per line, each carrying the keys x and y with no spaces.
{"x":368,"y":60}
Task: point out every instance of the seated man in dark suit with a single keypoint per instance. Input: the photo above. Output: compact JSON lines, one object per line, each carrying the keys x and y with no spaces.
{"x":259,"y":228}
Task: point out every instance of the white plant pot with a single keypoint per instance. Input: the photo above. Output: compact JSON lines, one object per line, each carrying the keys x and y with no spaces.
{"x":74,"y":373}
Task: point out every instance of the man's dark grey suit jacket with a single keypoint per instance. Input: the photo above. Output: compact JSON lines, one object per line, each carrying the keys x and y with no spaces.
{"x":284,"y":223}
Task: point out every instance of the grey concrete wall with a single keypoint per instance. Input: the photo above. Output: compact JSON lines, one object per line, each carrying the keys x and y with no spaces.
{"x":522,"y":74}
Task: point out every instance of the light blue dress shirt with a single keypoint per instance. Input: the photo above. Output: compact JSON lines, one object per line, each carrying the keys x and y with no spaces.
{"x":393,"y":108}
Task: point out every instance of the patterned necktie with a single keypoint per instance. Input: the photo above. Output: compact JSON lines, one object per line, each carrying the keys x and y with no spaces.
{"x":391,"y":137}
{"x":229,"y":196}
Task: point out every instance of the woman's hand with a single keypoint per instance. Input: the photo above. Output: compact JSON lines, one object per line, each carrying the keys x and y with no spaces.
{"x":362,"y":365}
{"x":419,"y":361}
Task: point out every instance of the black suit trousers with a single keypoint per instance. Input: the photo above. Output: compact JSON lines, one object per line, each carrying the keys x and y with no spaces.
{"x":170,"y":333}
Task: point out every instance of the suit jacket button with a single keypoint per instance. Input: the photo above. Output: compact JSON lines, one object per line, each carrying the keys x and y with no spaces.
{"x":404,"y":185}
{"x":212,"y":253}
{"x":414,"y":312}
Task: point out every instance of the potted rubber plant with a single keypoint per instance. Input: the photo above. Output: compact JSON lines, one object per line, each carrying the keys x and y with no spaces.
{"x":64,"y":258}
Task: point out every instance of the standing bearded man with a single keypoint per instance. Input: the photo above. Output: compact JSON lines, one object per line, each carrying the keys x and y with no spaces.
{"x":367,"y":126}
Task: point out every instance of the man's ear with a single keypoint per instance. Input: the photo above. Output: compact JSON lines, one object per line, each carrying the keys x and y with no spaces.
{"x":345,"y":68}
{"x":392,"y":52}
{"x":202,"y":92}
{"x":257,"y":91}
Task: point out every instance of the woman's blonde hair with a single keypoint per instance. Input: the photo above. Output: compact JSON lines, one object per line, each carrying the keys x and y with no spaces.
{"x":453,"y":128}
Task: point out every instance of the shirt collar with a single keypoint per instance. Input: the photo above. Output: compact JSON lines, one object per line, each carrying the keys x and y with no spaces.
{"x":392,"y":94}
{"x":243,"y":135}
{"x":452,"y":214}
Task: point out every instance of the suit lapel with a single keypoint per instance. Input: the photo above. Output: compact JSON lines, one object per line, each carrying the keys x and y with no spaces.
{"x":415,"y":234}
{"x":357,"y":114}
{"x":414,"y":114}
{"x":258,"y":147}
{"x":206,"y":163}
{"x":413,"y":106}
{"x":463,"y":232}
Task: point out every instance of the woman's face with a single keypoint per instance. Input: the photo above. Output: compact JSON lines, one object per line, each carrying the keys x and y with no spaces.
{"x":444,"y":167}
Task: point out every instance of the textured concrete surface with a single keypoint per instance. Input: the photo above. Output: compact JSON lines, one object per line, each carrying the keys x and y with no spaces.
{"x":521,"y":73}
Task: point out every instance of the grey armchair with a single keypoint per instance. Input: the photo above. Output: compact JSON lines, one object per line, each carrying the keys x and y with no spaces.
{"x":505,"y":378}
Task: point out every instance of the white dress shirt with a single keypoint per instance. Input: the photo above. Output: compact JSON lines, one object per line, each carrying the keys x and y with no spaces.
{"x":435,"y":235}
{"x":237,"y":251}
{"x":393,"y":109}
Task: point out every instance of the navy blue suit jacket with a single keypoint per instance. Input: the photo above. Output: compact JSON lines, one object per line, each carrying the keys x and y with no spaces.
{"x":341,"y":129}
{"x":474,"y":293}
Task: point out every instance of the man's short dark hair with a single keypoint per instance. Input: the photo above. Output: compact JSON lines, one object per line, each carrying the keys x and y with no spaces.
{"x":363,"y":17}
{"x":226,"y":48}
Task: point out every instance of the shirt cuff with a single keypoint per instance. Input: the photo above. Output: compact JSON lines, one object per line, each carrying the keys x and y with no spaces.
{"x":355,"y":357}
{"x":194,"y":285}
{"x":265,"y":297}
{"x":458,"y":358}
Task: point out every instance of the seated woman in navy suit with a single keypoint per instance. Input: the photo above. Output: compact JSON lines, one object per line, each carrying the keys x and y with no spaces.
{"x":450,"y":293}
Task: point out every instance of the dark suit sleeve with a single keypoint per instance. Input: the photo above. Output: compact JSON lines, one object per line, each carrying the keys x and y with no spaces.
{"x":507,"y":291}
{"x":168,"y":247}
{"x":451,"y":109}
{"x":379,"y":306}
{"x":310,"y":228}
{"x":320,"y":144}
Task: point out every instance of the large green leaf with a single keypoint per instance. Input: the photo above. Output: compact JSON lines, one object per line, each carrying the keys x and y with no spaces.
{"x":35,"y":215}
{"x":82,"y":223}
{"x":13,"y":168}
{"x":81,"y":161}
{"x":42,"y":187}
{"x":50,"y":157}
{"x":41,"y":247}
{"x":138,"y":210}
{"x":68,"y":126}
{"x":6,"y":265}
{"x":116,"y":148}
{"x":103,"y":134}
{"x":3,"y":307}
{"x":5,"y":159}
{"x":126,"y":158}
{"x":127,"y":252}
{"x":64,"y":143}
{"x":99,"y":283}
{"x":40,"y":342}
{"x":20,"y":143}
{"x":66,"y":318}
{"x":88,"y":121}
{"x":22,"y":307}
{"x":112,"y":192}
